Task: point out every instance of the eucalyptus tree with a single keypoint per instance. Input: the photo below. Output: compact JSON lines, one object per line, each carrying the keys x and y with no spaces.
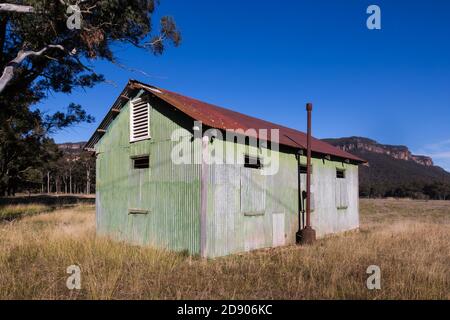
{"x":49,"y":46}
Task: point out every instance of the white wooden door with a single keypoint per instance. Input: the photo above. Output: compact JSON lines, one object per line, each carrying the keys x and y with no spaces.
{"x":279,"y":238}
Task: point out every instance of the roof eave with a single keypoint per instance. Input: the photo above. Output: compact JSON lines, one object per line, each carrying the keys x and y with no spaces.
{"x":133,"y":85}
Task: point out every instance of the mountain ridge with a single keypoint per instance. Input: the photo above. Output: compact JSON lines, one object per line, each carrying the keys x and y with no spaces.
{"x":71,"y":147}
{"x":399,"y":152}
{"x":393,"y":170}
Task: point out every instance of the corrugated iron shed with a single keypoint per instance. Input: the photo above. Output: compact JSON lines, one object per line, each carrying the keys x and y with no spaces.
{"x":220,"y":118}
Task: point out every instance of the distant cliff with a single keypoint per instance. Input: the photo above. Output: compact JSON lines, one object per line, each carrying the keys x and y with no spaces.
{"x":394,"y":171}
{"x":353,"y":144}
{"x":71,"y":147}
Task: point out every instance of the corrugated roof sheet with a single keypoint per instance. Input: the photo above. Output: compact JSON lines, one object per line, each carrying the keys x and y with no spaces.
{"x":221,"y":118}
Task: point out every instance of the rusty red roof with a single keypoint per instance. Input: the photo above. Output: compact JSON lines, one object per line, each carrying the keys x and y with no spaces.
{"x":225,"y":119}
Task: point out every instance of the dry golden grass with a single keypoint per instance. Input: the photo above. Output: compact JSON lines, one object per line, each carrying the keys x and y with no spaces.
{"x":409,"y":240}
{"x":11,"y":212}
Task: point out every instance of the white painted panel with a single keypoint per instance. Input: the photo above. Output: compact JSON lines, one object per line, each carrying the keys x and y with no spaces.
{"x":253,"y":191}
{"x":279,"y":238}
{"x":344,"y":193}
{"x":254,"y":232}
{"x":338,"y":194}
{"x":313,"y":200}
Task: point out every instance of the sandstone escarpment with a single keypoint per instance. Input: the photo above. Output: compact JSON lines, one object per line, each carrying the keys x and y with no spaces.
{"x":396,"y":152}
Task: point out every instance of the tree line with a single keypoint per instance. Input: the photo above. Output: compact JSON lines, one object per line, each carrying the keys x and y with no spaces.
{"x":436,"y":190}
{"x":29,"y":158}
{"x":69,"y":174}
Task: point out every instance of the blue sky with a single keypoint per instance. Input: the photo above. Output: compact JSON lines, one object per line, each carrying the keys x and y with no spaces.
{"x":268,"y":58}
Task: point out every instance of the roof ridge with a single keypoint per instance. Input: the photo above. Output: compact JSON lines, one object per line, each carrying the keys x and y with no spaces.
{"x":222,"y":118}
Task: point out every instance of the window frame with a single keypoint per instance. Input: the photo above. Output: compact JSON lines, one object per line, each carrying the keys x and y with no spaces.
{"x":341,"y":171}
{"x":137,"y":158}
{"x":257,"y":166}
{"x":342,"y":193}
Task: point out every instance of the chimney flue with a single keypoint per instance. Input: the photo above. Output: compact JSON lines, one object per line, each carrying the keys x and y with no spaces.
{"x":308,"y":234}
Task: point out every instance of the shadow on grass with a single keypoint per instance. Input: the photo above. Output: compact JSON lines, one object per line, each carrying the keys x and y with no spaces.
{"x":50,"y":200}
{"x":12,"y":208}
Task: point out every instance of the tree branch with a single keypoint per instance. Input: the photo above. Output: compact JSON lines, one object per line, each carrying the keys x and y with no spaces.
{"x":8,"y":72}
{"x":7,"y":7}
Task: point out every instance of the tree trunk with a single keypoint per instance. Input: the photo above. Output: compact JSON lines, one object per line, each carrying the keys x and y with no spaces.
{"x":88,"y":182}
{"x":48,"y":182}
{"x":8,"y":7}
{"x":70,"y":179}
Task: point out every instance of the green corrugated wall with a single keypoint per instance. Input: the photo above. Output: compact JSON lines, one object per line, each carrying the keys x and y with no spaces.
{"x":171,"y":193}
{"x":231,"y":229}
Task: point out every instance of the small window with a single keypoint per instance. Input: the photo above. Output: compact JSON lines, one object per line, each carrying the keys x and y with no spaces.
{"x":252,"y":162}
{"x":141,"y":162}
{"x":340,"y":174}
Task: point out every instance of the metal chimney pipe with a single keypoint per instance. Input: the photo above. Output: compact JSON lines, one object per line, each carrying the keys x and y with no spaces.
{"x":301,"y":206}
{"x":308,"y":167}
{"x":308,"y":234}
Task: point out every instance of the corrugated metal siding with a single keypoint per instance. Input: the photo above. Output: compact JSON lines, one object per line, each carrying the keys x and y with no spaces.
{"x":253,"y":191}
{"x":230,"y":230}
{"x":279,"y":229}
{"x":241,"y":219}
{"x":169,"y":192}
{"x":327,"y":218}
{"x":223,"y":232}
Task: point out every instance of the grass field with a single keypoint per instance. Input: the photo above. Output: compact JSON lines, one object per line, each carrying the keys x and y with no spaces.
{"x":12,"y":212}
{"x":409,"y":240}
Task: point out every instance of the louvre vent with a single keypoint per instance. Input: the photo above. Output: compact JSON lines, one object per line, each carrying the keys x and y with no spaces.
{"x":139,"y":120}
